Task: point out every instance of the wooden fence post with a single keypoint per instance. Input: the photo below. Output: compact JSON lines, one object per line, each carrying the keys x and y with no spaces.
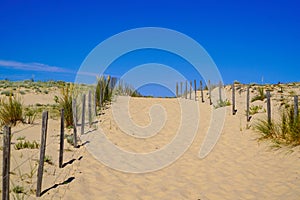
{"x":95,"y":104}
{"x":186,"y":89}
{"x":181,"y":89}
{"x":209,"y":91}
{"x":201,"y":89}
{"x":195,"y":88}
{"x":62,"y":133}
{"x":220,"y":91}
{"x":90,"y":105}
{"x":101,"y":96}
{"x":83,"y":114}
{"x":233,"y":100}
{"x":296,"y":112}
{"x":42,"y":153}
{"x":269,"y":107}
{"x":74,"y":123}
{"x":191,"y":87}
{"x":248,"y":104}
{"x":6,"y":162}
{"x":177,"y":89}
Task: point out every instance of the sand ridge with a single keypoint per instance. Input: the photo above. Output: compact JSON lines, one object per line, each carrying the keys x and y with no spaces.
{"x":239,"y":167}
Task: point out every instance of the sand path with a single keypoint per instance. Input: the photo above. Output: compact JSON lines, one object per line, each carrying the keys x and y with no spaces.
{"x":237,"y":168}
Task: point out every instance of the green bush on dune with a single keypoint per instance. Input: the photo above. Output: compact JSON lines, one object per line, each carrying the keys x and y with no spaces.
{"x":65,"y":102}
{"x":286,"y":131}
{"x":11,"y":111}
{"x":103,"y":90}
{"x":261,"y":95}
{"x":222,"y":103}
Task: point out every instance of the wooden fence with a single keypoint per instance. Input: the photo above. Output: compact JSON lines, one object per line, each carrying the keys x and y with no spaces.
{"x":184,"y":94}
{"x":44,"y":128}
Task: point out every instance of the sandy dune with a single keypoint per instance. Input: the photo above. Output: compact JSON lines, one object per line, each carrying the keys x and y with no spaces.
{"x":238,"y":167}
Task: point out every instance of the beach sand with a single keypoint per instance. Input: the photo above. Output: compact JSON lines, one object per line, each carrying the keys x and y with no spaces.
{"x":238,"y":167}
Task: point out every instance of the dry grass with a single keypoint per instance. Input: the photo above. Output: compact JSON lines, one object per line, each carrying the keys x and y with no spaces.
{"x":11,"y":110}
{"x":285,"y":131}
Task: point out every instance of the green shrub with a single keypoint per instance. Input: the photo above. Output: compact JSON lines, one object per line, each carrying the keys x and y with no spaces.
{"x":30,"y":115}
{"x":65,"y":102}
{"x":22,"y":92}
{"x":18,"y":189}
{"x":48,"y":159}
{"x":26,"y":145}
{"x":254,"y":109}
{"x":287,"y":130}
{"x":11,"y":111}
{"x":56,"y":99}
{"x":70,"y":139}
{"x":222,"y":103}
{"x":7,"y":93}
{"x":261,"y":95}
{"x":21,"y":138}
{"x":103,"y":88}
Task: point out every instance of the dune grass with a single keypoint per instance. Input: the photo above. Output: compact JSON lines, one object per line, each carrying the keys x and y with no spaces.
{"x":126,"y":89}
{"x":255,"y":109}
{"x":222,"y":103}
{"x":11,"y":110}
{"x":26,"y":145}
{"x":65,"y":102}
{"x":261,"y":95}
{"x":103,"y":90}
{"x":285,"y":131}
{"x":30,"y":114}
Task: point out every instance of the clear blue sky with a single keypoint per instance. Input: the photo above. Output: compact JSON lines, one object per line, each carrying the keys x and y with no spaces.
{"x":246,"y":39}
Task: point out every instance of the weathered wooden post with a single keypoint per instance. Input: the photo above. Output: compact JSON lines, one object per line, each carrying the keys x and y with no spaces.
{"x":269,"y":107}
{"x":195,"y":89}
{"x":6,"y":162}
{"x":83,"y":114}
{"x":62,"y":133}
{"x":95,"y":104}
{"x":177,"y":89}
{"x":42,"y":153}
{"x":201,"y":89}
{"x":186,"y":89}
{"x":191,"y":86}
{"x":248,"y":104}
{"x":220,"y":91}
{"x":181,"y":89}
{"x":209,"y":91}
{"x":90,"y":104}
{"x":101,"y":96}
{"x":74,"y":123}
{"x":233,"y":100}
{"x":296,"y":112}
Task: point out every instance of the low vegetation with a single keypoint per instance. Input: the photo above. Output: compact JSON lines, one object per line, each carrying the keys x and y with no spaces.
{"x":125,"y":89}
{"x":11,"y":111}
{"x":255,"y":109}
{"x":48,"y":159}
{"x":222,"y":103}
{"x":30,"y":114}
{"x":18,"y":189}
{"x":65,"y":102}
{"x":70,"y":139}
{"x":285,"y":131}
{"x":7,"y":93}
{"x":104,"y":90}
{"x":23,"y":144}
{"x":261,"y":95}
